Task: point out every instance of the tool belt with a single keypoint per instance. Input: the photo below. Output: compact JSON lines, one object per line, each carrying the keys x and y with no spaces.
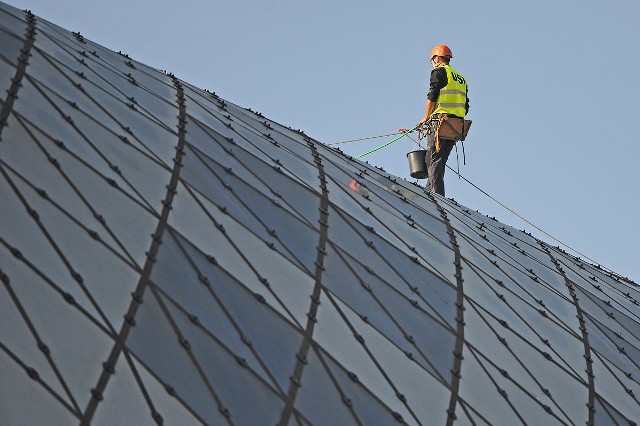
{"x":445,"y":126}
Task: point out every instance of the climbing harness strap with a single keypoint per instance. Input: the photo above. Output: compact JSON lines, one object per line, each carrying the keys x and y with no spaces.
{"x":432,"y":126}
{"x":445,"y":127}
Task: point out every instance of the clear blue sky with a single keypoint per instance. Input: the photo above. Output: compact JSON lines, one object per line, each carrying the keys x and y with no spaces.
{"x":555,"y":99}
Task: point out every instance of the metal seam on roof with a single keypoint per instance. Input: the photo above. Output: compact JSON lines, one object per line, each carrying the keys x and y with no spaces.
{"x":148,"y":266}
{"x":585,"y":338}
{"x":459,"y":345}
{"x":23,"y":61}
{"x":301,"y":355}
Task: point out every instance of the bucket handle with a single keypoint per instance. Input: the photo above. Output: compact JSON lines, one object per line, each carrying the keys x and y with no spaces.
{"x":406,"y":133}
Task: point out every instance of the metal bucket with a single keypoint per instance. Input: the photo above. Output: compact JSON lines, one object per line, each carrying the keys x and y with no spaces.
{"x":417,"y":164}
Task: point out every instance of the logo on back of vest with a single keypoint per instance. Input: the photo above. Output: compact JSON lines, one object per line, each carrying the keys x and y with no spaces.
{"x":458,"y":78}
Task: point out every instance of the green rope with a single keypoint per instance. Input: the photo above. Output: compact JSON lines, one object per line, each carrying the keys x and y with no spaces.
{"x":388,"y":143}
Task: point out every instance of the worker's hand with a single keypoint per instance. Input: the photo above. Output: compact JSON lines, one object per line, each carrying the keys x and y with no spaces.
{"x":401,"y":130}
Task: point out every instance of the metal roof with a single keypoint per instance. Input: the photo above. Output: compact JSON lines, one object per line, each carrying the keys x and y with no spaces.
{"x":169,"y":257}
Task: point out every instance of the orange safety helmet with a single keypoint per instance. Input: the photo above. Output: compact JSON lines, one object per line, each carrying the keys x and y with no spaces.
{"x":441,"y":50}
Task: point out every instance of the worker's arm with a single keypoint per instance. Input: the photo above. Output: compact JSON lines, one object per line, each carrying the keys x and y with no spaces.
{"x":437,"y":81}
{"x":431,"y":106}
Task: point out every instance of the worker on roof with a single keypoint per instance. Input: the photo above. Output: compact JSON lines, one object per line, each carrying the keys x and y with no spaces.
{"x":448,"y":94}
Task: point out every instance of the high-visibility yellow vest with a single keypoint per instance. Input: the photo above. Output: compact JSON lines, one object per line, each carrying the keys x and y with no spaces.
{"x":453,"y":96}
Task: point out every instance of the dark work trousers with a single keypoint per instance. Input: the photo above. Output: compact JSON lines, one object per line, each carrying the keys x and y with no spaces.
{"x":436,"y":162}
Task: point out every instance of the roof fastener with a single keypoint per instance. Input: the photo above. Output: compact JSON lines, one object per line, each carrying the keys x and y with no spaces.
{"x":185,"y":343}
{"x":96,"y":394}
{"x":108,"y":368}
{"x":130,"y":319}
{"x":76,"y":276}
{"x":34,"y":214}
{"x":68,"y":298}
{"x":137,"y":297}
{"x":224,"y":412}
{"x":398,"y":417}
{"x":45,"y":349}
{"x":347,"y":401}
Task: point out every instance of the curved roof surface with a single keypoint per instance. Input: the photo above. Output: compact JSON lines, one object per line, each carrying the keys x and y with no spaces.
{"x":169,"y":257}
